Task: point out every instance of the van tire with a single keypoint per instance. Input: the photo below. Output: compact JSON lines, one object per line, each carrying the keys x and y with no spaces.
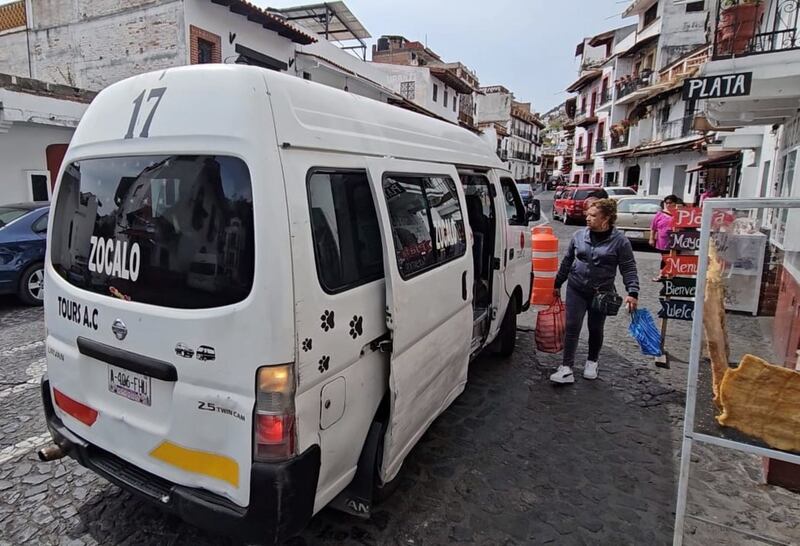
{"x":33,"y":275}
{"x":507,"y":337}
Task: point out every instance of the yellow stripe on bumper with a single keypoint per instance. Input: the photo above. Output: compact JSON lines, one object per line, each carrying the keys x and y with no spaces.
{"x":199,"y":462}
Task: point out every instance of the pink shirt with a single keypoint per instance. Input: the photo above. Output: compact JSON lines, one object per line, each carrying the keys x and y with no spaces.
{"x":661,"y":226}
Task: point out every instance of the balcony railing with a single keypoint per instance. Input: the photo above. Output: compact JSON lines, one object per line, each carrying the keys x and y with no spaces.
{"x":580,"y":152}
{"x":673,"y":130}
{"x":605,"y":97}
{"x":628,"y":84}
{"x":752,"y":28}
{"x":600,"y":145}
{"x":619,"y":140}
{"x":584,"y":117}
{"x":502,"y":154}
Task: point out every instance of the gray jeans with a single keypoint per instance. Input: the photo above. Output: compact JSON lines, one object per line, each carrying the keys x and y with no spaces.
{"x":578,"y":304}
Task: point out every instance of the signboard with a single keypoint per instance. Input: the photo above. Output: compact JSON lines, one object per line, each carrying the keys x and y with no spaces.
{"x":679,"y":266}
{"x":688,"y":217}
{"x":684,"y":240}
{"x":715,"y":87}
{"x":679,"y":288}
{"x":676,"y":309}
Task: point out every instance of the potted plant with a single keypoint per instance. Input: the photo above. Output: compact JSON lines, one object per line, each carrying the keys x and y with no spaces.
{"x":738,"y":23}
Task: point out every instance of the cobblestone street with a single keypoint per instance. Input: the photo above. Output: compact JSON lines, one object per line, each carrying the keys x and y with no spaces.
{"x":513,"y":461}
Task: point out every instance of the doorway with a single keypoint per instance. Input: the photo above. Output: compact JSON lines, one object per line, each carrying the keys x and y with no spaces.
{"x":655,"y":181}
{"x":679,"y":182}
{"x":632,"y":176}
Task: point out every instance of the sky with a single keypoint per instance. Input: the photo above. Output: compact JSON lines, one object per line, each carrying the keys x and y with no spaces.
{"x":526,"y":45}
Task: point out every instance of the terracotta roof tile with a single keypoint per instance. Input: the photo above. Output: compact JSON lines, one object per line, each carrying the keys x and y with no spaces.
{"x":12,"y":16}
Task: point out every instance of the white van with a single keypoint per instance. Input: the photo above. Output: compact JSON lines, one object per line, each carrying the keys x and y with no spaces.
{"x":362,"y":255}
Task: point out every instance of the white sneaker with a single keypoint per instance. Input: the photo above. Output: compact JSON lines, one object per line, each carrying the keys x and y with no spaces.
{"x":563,"y":375}
{"x":590,"y":370}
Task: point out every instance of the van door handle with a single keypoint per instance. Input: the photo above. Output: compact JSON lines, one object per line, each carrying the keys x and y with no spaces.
{"x":464,"y":286}
{"x":134,"y":362}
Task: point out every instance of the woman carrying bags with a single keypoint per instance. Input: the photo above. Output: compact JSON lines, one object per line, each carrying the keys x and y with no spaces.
{"x":589,"y":269}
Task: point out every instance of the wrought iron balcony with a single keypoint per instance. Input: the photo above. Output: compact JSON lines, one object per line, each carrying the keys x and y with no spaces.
{"x":673,"y":130}
{"x":600,"y":145}
{"x":605,"y":97}
{"x":628,"y":84}
{"x":750,"y":28}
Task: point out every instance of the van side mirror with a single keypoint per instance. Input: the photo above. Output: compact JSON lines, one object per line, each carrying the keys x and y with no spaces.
{"x":534,"y":212}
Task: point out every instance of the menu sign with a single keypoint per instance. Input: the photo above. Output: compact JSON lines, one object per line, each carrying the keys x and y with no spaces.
{"x":679,"y":266}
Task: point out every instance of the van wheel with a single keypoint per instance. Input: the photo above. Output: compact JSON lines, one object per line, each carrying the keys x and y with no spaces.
{"x":507,"y":337}
{"x":31,"y":285}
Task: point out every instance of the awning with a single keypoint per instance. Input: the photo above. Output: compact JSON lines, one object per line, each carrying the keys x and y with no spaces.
{"x":637,"y":47}
{"x":586,"y":78}
{"x":667,"y":148}
{"x":601,"y":39}
{"x":268,"y":20}
{"x":448,"y":77}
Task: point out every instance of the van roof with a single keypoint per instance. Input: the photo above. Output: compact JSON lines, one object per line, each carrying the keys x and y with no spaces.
{"x":316,"y":116}
{"x":307,"y":115}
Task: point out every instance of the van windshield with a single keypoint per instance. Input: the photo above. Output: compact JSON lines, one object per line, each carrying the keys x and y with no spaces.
{"x":174,"y":231}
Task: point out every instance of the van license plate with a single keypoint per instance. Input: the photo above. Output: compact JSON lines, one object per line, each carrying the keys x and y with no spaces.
{"x":131,"y":385}
{"x":634,"y":234}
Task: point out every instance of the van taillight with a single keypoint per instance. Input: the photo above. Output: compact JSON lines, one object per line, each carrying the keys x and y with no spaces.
{"x":274,"y":434}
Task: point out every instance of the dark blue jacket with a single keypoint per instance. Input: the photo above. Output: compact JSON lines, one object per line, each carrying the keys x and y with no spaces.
{"x":591,"y":266}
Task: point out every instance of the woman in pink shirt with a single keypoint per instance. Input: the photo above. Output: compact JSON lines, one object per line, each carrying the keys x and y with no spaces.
{"x":662,"y":223}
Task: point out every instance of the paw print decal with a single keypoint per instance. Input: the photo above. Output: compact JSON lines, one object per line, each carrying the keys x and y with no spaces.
{"x":307,"y":344}
{"x":324,"y":362}
{"x":327,"y":321}
{"x":356,"y":326}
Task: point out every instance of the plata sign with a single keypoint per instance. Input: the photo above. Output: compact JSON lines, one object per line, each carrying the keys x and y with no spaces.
{"x":715,"y":87}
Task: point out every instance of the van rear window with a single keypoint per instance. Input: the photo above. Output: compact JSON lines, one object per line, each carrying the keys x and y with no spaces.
{"x":174,"y":231}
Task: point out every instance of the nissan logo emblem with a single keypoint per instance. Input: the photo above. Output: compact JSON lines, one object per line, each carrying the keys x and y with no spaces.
{"x":119,"y":329}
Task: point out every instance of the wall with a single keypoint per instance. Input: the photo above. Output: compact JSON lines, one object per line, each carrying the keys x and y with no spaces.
{"x":93,"y":43}
{"x":681,"y":32}
{"x":667,"y":163}
{"x":22,"y":149}
{"x":493,"y":107}
{"x":14,"y":53}
{"x":223,"y":22}
{"x":423,"y":88}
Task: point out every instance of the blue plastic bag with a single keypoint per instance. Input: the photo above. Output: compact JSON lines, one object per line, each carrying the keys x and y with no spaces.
{"x":643,"y":330}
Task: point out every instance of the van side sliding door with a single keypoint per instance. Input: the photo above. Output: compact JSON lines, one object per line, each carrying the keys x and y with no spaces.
{"x":428,"y":269}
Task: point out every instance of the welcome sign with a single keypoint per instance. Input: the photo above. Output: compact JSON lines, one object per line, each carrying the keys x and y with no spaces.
{"x":679,"y":288}
{"x":677,"y":309}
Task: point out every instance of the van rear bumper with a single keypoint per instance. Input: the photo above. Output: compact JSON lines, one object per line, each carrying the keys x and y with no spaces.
{"x":281,"y":494}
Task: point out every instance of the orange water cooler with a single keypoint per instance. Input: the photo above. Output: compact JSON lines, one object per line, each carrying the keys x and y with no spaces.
{"x":544,"y":264}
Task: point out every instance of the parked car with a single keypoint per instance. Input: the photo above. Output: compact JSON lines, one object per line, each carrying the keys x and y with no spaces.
{"x":526,"y":192}
{"x":635,"y":214}
{"x":615,"y":192}
{"x":569,"y":203}
{"x":23,"y":232}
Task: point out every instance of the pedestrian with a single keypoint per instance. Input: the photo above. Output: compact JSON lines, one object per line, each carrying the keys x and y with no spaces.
{"x":711,"y":191}
{"x":662,"y":224}
{"x":589,"y":268}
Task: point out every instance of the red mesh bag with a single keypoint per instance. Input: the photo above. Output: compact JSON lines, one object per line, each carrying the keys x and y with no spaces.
{"x":550,"y":328}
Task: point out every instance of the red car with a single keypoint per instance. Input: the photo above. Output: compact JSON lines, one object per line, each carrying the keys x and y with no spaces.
{"x":569,"y":202}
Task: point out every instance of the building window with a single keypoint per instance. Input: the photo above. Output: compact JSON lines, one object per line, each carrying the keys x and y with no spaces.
{"x":205,"y":47}
{"x":435,"y":92}
{"x":650,"y":15}
{"x":445,"y":98}
{"x":408,"y":89}
{"x":454,"y":103}
{"x":695,"y":6}
{"x":344,"y":228}
{"x":205,"y":51}
{"x":39,"y":183}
